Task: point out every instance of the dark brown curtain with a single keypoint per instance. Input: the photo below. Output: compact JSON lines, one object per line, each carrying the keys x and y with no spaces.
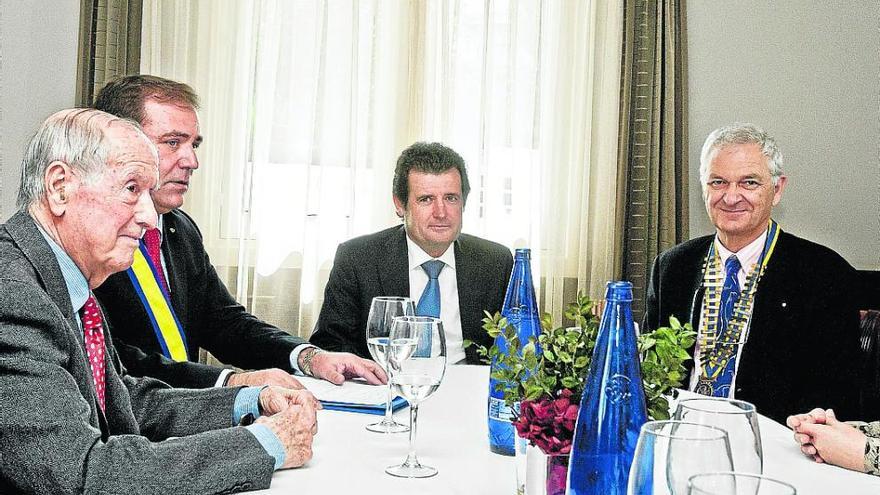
{"x":109,"y":44}
{"x":652,"y":159}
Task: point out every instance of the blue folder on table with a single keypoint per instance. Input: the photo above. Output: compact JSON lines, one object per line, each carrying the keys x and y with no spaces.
{"x":396,"y":404}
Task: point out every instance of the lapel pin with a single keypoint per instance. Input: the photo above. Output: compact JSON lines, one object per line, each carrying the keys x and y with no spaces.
{"x":171,"y":229}
{"x":784,"y":304}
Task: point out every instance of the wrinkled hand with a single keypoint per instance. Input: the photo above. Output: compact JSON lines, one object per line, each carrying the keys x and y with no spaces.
{"x":336,"y":367}
{"x":271,"y":376}
{"x":834,"y":442}
{"x":816,"y":416}
{"x":295,"y":428}
{"x":274,"y":400}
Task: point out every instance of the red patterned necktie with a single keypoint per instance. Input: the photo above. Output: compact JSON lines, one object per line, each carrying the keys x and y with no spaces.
{"x":153,"y":242}
{"x":93,"y":330}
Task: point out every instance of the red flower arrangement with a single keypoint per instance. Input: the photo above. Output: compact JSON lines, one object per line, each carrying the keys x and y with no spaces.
{"x":547,"y":376}
{"x":549,"y":423}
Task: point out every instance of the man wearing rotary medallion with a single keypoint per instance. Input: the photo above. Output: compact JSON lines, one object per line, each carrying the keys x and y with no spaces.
{"x":776,"y":319}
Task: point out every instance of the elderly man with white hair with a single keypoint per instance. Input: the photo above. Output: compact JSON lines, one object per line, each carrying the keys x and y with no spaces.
{"x":776,"y":320}
{"x":71,"y":419}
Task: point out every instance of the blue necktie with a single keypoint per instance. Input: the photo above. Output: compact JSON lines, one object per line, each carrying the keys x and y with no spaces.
{"x":429,"y":303}
{"x":729,"y":298}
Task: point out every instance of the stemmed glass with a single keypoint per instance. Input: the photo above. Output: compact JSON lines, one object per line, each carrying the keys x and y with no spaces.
{"x":417,"y":359}
{"x":737,"y":484}
{"x":383,"y":310}
{"x":670,"y":452}
{"x":738,"y":418}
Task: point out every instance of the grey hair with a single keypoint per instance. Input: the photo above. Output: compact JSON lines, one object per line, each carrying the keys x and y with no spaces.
{"x":741,"y":133}
{"x":75,"y":137}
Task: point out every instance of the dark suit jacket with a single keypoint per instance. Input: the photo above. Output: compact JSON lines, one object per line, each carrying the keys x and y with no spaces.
{"x":378,"y":265}
{"x":210,"y":316}
{"x":802,"y":348}
{"x":53,"y":436}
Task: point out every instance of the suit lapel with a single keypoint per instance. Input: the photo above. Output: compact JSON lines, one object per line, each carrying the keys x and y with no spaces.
{"x":177,"y":279}
{"x":770,"y":306}
{"x":469,"y":294}
{"x":24,"y":231}
{"x":394,"y":265}
{"x":693,"y":274}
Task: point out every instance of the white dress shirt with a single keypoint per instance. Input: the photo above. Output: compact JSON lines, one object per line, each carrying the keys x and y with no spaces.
{"x":449,"y":309}
{"x":748,"y":258}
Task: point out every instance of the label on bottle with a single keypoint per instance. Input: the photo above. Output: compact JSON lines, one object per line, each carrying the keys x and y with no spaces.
{"x":500,"y":411}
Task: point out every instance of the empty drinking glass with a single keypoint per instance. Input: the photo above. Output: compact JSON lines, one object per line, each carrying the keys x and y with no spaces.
{"x":730,"y":483}
{"x":670,"y":452}
{"x":738,"y":418}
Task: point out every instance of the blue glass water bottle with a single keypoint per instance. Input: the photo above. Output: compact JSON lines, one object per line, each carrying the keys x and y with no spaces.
{"x":521,"y":310}
{"x":613,"y":405}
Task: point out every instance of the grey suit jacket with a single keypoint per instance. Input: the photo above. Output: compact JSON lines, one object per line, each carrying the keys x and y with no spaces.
{"x":53,"y":436}
{"x":377,"y":265}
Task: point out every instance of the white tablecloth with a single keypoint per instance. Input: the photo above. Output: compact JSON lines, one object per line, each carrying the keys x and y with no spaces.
{"x":452,"y":437}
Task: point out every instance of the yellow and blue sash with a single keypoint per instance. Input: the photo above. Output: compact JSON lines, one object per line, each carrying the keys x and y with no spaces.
{"x":157,"y":303}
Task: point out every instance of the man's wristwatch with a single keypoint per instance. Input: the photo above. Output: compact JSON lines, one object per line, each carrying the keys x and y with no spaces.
{"x":307,"y":356}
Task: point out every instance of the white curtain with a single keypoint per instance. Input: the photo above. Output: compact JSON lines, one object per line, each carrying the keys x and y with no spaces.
{"x":306,"y":105}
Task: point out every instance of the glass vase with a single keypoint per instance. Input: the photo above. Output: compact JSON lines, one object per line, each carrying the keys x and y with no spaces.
{"x":546,"y":474}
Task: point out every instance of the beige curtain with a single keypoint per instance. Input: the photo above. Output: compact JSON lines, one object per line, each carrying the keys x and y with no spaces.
{"x":652,"y":158}
{"x":109,"y":44}
{"x":306,"y":105}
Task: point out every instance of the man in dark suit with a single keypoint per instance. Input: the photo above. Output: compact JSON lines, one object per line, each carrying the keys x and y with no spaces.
{"x":191,"y":308}
{"x":430,"y":190}
{"x":72,"y":420}
{"x":777,"y":322}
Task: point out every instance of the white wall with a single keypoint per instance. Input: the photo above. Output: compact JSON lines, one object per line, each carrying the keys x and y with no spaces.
{"x":809,"y":73}
{"x":38,"y":51}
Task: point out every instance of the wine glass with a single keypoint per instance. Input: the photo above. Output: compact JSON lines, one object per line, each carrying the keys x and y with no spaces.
{"x":731,"y":483}
{"x":383,"y":310}
{"x":670,"y":452}
{"x":738,"y":418}
{"x":417,"y":359}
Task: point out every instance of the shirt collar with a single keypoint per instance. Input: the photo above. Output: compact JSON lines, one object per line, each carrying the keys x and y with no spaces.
{"x":747,"y":256}
{"x":417,"y":255}
{"x":159,"y":224}
{"x":77,"y":285}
